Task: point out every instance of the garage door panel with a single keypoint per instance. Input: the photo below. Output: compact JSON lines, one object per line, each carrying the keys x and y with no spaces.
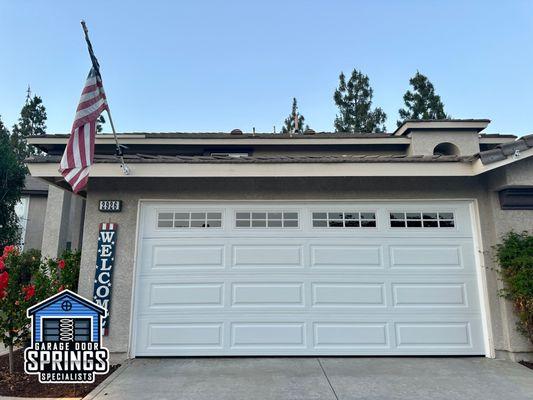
{"x":267,"y":256}
{"x":259,"y":335}
{"x":267,"y":294}
{"x":185,"y":295}
{"x":342,"y":294}
{"x":434,"y":334}
{"x":429,"y":256}
{"x":429,"y":295}
{"x":184,"y":335}
{"x":334,"y":290}
{"x":161,"y":257}
{"x":351,"y":336}
{"x":348,"y":256}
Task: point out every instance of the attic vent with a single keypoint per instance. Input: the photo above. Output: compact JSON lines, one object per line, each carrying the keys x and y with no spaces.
{"x":236,"y":132}
{"x":309,"y":132}
{"x":446,"y":149}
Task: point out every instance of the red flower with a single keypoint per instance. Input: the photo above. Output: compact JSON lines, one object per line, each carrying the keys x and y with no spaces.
{"x":61,"y":288}
{"x":2,"y":265}
{"x":7,"y":250}
{"x":29,"y":292}
{"x":4,"y":280}
{"x":61,"y":264}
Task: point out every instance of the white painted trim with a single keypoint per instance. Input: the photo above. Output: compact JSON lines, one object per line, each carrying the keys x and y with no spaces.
{"x":476,"y":235}
{"x":223,"y":170}
{"x":133,"y":303}
{"x":482,"y":280}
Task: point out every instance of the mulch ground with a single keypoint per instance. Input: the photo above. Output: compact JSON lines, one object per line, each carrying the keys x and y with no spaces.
{"x":21,"y":384}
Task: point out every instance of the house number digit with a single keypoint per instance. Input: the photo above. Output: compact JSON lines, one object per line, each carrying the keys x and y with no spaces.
{"x":110,"y":205}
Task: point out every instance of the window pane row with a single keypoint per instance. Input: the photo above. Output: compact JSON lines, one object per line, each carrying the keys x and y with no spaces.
{"x":344,"y":219}
{"x":422,"y":220}
{"x":266,"y":219}
{"x":189,"y":220}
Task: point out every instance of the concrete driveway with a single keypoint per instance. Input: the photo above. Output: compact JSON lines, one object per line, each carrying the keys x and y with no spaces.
{"x":328,"y":378}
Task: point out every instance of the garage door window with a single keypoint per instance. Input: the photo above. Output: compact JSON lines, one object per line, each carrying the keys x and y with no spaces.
{"x":267,"y":219}
{"x":345,"y":219}
{"x":422,"y":220}
{"x":193,"y":219}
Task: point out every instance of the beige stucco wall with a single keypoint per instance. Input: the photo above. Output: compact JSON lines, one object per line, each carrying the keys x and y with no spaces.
{"x":503,"y":221}
{"x":424,"y":142}
{"x":131,"y":190}
{"x":35,"y":224}
{"x":63,"y":222}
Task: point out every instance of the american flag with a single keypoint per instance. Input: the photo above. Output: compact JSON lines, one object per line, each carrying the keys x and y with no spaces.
{"x":79,"y":153}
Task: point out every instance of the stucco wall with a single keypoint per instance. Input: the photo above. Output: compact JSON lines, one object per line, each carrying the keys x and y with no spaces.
{"x":35,"y":224}
{"x":424,"y":142}
{"x":131,"y":190}
{"x":503,"y":221}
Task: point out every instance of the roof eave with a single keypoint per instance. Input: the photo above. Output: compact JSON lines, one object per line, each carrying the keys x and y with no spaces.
{"x":467,"y":124}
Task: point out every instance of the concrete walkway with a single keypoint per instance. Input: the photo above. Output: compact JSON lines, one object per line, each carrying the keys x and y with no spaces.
{"x":328,"y":378}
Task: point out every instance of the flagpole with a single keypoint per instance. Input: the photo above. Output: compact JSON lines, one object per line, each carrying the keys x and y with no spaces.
{"x":96,"y":66}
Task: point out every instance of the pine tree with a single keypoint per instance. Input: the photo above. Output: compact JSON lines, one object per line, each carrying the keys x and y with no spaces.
{"x":289,"y":123}
{"x":12,"y":173}
{"x":354,"y":100}
{"x":422,"y":102}
{"x":32,"y":122}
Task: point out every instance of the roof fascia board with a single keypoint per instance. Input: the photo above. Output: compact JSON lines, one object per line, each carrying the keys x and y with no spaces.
{"x":496,"y":140}
{"x":108,"y":170}
{"x":408,"y":126}
{"x":228,"y":141}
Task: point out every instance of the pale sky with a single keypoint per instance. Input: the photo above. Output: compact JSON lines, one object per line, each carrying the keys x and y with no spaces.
{"x":219,"y":65}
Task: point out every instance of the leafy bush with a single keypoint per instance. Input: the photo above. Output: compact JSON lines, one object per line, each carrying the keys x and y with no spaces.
{"x":515,"y":258}
{"x":25,"y":280}
{"x":16,"y":293}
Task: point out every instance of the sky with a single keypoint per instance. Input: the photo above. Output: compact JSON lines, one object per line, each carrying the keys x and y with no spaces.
{"x":199,"y":66}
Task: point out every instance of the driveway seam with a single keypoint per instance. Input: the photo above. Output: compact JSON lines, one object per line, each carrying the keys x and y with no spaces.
{"x":327,"y":379}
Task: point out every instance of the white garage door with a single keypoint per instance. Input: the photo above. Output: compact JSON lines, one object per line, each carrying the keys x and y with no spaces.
{"x":306,"y":278}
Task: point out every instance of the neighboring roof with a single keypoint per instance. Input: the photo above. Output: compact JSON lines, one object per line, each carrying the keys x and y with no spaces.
{"x":451,"y":124}
{"x":34,"y":186}
{"x":145,"y":158}
{"x":503,"y":151}
{"x":62,"y":295}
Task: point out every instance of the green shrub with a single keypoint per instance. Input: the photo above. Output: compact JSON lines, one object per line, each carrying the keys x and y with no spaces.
{"x":515,"y":258}
{"x":25,"y":280}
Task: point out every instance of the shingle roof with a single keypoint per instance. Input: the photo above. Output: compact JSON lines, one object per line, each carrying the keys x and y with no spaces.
{"x":502,"y":151}
{"x":145,"y":158}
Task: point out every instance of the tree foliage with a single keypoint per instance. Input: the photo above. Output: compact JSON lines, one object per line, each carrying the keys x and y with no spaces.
{"x":354,"y":100}
{"x":99,"y":123}
{"x":422,"y":102}
{"x":32,"y":122}
{"x":289,"y":125}
{"x":515,"y":258}
{"x":12,"y":173}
